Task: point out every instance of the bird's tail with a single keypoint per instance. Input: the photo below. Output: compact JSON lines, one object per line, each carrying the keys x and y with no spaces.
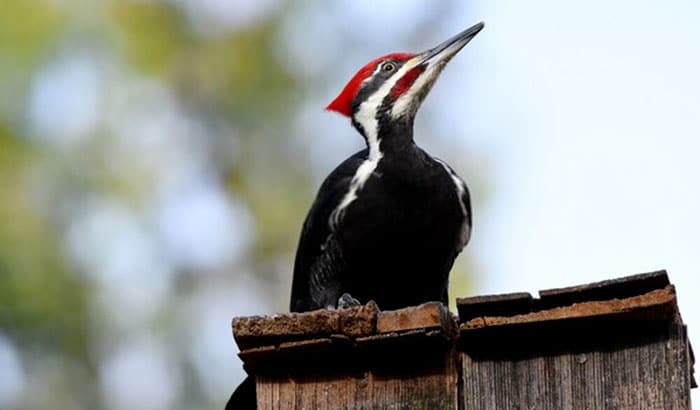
{"x":243,"y":398}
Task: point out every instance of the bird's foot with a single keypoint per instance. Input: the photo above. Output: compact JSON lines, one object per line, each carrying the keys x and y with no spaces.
{"x":346,"y":301}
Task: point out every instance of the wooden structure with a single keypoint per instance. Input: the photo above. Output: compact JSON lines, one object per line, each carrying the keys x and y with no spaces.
{"x":614,"y":344}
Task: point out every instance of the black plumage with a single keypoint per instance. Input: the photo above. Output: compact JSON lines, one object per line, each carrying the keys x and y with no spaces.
{"x":396,"y":243}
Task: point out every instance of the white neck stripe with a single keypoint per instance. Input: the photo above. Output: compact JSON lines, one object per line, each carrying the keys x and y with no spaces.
{"x":366,"y":117}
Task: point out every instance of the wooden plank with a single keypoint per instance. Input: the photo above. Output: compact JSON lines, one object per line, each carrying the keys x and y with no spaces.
{"x":617,"y":288}
{"x":257,"y":331}
{"x":359,"y":321}
{"x":425,"y":316}
{"x":507,"y":304}
{"x":429,"y":329}
{"x":649,"y":375}
{"x":512,"y":304}
{"x":430,"y":387}
{"x":658,"y":304}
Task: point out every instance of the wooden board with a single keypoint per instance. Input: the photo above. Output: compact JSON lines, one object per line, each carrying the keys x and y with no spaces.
{"x":418,"y":387}
{"x":613,"y":375}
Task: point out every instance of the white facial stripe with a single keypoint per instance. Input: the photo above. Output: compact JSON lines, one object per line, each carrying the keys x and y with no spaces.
{"x":366,"y":116}
{"x":408,"y":100}
{"x":376,"y":70}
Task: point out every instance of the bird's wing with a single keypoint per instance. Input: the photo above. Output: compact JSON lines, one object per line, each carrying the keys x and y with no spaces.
{"x":464,"y":203}
{"x":319,"y":263}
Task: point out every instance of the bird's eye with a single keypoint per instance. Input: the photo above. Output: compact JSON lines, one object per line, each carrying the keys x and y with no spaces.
{"x":388,"y":67}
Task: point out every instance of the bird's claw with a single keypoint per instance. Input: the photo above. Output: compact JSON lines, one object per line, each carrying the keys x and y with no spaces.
{"x":346,"y":301}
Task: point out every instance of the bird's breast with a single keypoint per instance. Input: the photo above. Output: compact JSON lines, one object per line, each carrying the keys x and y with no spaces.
{"x":404,"y":209}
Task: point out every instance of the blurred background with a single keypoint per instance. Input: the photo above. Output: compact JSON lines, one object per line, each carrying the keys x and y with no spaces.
{"x":157,"y":158}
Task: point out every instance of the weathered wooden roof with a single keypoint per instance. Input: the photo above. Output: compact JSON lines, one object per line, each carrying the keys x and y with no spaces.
{"x":556,"y":318}
{"x":361,"y":332}
{"x":648,"y":296}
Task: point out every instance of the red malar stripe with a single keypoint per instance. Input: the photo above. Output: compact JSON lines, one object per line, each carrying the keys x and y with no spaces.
{"x":406,"y":81}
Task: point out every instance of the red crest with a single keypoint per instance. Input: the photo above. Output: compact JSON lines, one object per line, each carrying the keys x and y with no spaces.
{"x":343,"y":102}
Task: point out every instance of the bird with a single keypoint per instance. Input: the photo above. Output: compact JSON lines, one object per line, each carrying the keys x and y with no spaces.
{"x":389,"y":221}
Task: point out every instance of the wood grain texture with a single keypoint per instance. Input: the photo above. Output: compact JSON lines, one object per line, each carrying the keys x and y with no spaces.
{"x":256,"y":331}
{"x":604,"y":290}
{"x":505,"y":304}
{"x":433,"y":315}
{"x":655,"y":305}
{"x":650,"y":374}
{"x":413,"y":387}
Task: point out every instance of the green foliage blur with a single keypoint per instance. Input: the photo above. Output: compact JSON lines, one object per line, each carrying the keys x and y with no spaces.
{"x":230,"y":101}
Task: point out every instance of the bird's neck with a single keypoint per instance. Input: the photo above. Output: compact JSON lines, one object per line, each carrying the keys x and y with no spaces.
{"x":387,"y":136}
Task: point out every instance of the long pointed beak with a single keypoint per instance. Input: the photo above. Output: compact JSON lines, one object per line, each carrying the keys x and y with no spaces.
{"x":447,"y":49}
{"x":417,"y":76}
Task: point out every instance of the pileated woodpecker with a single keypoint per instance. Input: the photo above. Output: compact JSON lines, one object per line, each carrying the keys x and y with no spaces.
{"x":387,"y":223}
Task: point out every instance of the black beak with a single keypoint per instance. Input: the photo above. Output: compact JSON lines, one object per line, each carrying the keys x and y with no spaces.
{"x":447,"y":49}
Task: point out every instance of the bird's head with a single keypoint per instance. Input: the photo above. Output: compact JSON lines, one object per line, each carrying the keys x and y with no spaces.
{"x":396,"y":84}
